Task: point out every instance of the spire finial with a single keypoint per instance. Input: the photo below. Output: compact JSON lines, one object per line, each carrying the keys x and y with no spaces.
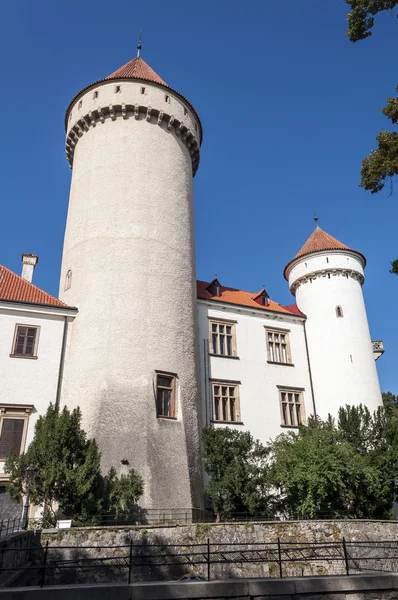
{"x":316,"y":219}
{"x":139,"y":45}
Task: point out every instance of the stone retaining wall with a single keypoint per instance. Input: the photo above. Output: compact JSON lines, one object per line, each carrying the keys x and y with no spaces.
{"x":98,"y":543}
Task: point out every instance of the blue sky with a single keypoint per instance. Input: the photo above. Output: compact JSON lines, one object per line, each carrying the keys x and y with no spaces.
{"x":289,"y":108}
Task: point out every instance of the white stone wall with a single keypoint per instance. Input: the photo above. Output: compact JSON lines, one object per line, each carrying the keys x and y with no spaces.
{"x":341,"y":353}
{"x":129,"y":244}
{"x":28,"y":380}
{"x":259,"y":395}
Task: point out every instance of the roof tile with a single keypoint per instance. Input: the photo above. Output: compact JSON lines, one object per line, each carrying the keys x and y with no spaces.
{"x":239,"y":297}
{"x":320,"y":241}
{"x":137,"y":69}
{"x":13,"y":287}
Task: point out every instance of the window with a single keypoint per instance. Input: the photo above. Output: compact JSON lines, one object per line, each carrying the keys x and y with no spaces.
{"x":225,"y":399}
{"x":339,"y":311}
{"x":222,"y":338}
{"x":167,"y":98}
{"x":292,"y":407}
{"x":95,"y":95}
{"x":11,"y":436}
{"x":13,"y":428}
{"x":25,"y":341}
{"x":80,"y":104}
{"x":278,"y":346}
{"x":165,"y":395}
{"x":117,"y":89}
{"x":68,"y":280}
{"x":185,"y":111}
{"x":142,"y":90}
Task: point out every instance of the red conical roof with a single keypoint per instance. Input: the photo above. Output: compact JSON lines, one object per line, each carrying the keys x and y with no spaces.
{"x":320,"y":241}
{"x":137,"y":69}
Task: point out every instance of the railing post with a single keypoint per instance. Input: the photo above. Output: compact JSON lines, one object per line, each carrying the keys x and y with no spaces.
{"x":347,"y":568}
{"x":130,"y":560}
{"x":280,"y":558}
{"x":208,"y":559}
{"x":43,"y":570}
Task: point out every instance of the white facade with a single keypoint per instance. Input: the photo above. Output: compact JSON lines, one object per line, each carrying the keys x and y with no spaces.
{"x":129,"y":266}
{"x":30,"y":384}
{"x":328,"y":289}
{"x":259,"y":380}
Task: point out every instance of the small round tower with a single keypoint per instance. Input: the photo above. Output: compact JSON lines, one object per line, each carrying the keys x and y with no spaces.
{"x":129,"y":266}
{"x":326,"y":276}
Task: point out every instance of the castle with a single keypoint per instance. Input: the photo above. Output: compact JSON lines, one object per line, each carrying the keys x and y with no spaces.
{"x":148,"y":353}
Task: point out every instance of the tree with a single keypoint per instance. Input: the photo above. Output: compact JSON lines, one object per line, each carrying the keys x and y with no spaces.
{"x":361,"y":17}
{"x":123,"y":492}
{"x":382,"y":163}
{"x":238,"y":469}
{"x":68,"y":481}
{"x":348,"y":470}
{"x":389,"y":399}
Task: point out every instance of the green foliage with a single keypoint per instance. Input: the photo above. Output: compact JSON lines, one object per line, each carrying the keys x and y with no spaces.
{"x":361,"y":17}
{"x":123,"y":492}
{"x":68,"y":467}
{"x":381,"y":163}
{"x":390,"y":400}
{"x":338,"y":471}
{"x":394,"y":267}
{"x":68,"y":481}
{"x":238,"y":469}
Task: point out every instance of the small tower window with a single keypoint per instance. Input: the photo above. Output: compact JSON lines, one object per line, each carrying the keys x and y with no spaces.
{"x":167,"y":98}
{"x":327,"y":260}
{"x":95,"y":95}
{"x":339,"y":311}
{"x":142,"y":90}
{"x":117,"y":89}
{"x":185,"y":111}
{"x":80,"y":104}
{"x":68,"y":280}
{"x":196,"y":127}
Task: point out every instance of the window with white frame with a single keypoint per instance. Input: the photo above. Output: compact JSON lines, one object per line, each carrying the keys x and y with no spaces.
{"x":165,"y":395}
{"x":225,"y":402}
{"x":292,"y":407}
{"x":222,"y":338}
{"x":278,"y":346}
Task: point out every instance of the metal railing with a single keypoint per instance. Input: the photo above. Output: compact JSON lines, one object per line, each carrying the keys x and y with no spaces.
{"x":55,"y":565}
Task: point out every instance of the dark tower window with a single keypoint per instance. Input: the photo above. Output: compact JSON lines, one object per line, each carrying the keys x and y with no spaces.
{"x":339,"y":311}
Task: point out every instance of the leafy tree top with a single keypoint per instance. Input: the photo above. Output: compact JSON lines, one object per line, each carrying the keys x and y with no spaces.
{"x":361,"y":17}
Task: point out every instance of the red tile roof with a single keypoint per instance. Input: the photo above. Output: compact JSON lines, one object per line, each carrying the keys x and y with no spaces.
{"x":137,"y":69}
{"x":13,"y":287}
{"x":319,"y":241}
{"x":239,"y":297}
{"x":293,"y":308}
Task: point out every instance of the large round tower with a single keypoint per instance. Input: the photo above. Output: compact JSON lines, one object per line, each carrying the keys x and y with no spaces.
{"x":326,"y":277}
{"x":129,"y":266}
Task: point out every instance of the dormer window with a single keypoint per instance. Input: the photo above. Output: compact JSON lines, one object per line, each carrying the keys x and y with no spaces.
{"x":214,"y":287}
{"x":262,"y":298}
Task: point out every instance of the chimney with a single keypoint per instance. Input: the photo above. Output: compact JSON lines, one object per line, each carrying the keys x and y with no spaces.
{"x":29,"y":261}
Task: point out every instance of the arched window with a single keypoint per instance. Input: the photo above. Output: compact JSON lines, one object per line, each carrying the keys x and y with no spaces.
{"x":339,"y":311}
{"x":68,"y":280}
